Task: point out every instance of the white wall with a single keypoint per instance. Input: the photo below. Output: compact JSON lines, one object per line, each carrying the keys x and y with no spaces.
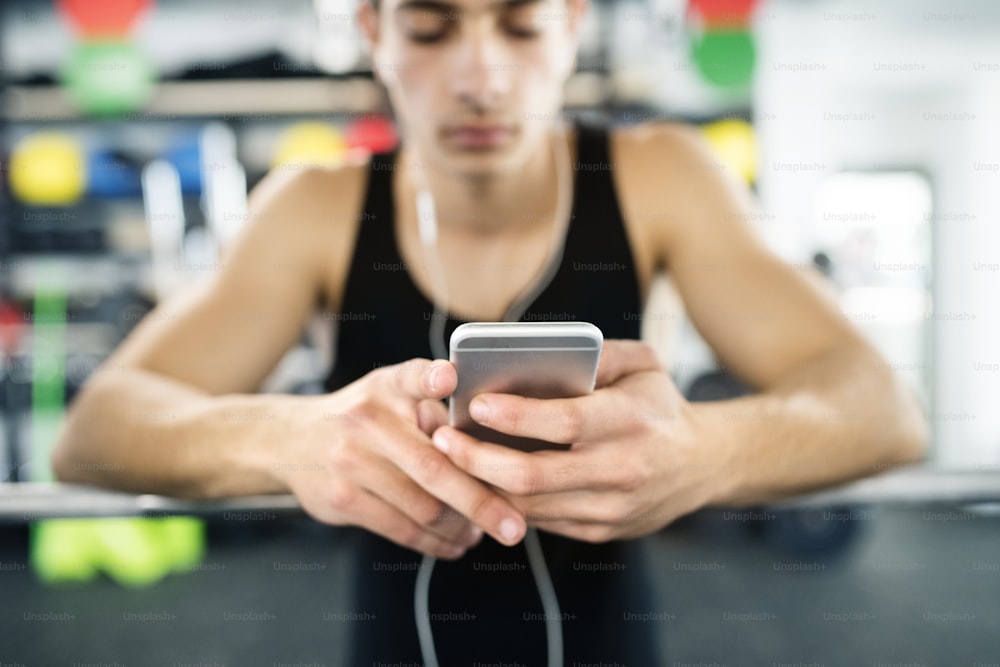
{"x":880,"y":84}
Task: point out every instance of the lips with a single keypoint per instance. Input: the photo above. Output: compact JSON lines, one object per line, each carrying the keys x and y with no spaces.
{"x":479,"y":136}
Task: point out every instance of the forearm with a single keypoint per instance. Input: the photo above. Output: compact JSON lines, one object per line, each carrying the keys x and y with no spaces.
{"x":138,"y":431}
{"x":840,"y":417}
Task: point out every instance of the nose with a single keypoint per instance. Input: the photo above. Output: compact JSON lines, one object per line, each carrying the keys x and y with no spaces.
{"x":481,"y":75}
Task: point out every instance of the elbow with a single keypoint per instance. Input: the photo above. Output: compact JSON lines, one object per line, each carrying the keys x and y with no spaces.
{"x":911,"y":443}
{"x":63,"y":458}
{"x":62,"y":468}
{"x":915,"y":443}
{"x":899,"y":433}
{"x":68,"y":454}
{"x":61,"y":462}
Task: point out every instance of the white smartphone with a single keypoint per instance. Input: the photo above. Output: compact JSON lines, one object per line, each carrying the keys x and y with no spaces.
{"x":533,"y":359}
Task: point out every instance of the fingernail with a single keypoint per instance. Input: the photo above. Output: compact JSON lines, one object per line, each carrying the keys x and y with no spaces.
{"x":479,"y":410}
{"x":440,"y":442}
{"x":433,"y":379}
{"x":509,"y":529}
{"x":455,"y":551}
{"x":477,"y":534}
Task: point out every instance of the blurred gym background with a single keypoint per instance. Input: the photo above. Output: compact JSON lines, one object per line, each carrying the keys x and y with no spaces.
{"x":131,"y":131}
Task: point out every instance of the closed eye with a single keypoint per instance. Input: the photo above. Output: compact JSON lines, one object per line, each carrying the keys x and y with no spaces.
{"x":425,"y":25}
{"x":523,"y":20}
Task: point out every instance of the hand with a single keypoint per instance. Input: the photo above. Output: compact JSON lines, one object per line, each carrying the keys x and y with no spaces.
{"x":367,"y":460}
{"x":635,"y":462}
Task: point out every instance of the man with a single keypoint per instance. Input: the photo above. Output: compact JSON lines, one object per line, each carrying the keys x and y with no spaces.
{"x":476,"y":85}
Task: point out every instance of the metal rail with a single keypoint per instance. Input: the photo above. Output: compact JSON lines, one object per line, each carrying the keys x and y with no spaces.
{"x":32,"y":501}
{"x":26,"y":502}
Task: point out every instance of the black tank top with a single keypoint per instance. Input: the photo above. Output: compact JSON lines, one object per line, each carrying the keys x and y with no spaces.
{"x":485,"y":607}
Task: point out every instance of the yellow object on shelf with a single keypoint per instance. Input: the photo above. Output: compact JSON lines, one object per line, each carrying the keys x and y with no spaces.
{"x":48,"y":169}
{"x":735,"y":143}
{"x":310,"y":143}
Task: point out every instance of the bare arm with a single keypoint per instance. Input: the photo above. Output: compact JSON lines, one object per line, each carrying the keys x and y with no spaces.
{"x":640,"y":455}
{"x":140,"y":431}
{"x":829,"y":408}
{"x":837,"y":417}
{"x":171,"y":411}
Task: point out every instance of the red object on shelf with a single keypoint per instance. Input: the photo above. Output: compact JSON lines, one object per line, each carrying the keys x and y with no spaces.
{"x":723,"y":13}
{"x":12,"y":327}
{"x":103,"y":18}
{"x":376,"y":135}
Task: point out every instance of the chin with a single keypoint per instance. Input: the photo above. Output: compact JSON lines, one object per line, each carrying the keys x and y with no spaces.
{"x":484,"y":171}
{"x":479,"y":161}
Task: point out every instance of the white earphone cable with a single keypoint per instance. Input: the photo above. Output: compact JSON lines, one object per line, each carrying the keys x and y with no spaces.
{"x":427,"y":222}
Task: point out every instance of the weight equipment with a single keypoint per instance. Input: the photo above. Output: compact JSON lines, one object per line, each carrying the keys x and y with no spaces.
{"x":108,"y":77}
{"x":48,"y":169}
{"x":722,"y":46}
{"x":735,"y":144}
{"x":725,"y":57}
{"x":374,"y":135}
{"x":107,"y":18}
{"x":309,"y":143}
{"x":111,"y":176}
{"x":106,"y":74}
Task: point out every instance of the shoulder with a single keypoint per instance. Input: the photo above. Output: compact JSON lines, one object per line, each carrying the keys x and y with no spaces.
{"x":310,"y":215}
{"x":657,"y":135}
{"x":311,"y":194}
{"x":660,"y":155}
{"x":669,"y":179}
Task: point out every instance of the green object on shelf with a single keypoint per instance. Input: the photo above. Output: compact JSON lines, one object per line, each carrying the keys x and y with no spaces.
{"x":132,"y":552}
{"x":725,"y":57}
{"x":62,"y":551}
{"x":108,"y":77}
{"x":48,"y":366}
{"x":184,"y":537}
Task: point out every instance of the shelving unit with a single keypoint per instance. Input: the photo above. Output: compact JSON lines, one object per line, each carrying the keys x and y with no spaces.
{"x":253,"y":99}
{"x":229,"y":100}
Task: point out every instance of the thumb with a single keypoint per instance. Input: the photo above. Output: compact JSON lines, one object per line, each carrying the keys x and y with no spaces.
{"x":430,"y":415}
{"x":419,"y":379}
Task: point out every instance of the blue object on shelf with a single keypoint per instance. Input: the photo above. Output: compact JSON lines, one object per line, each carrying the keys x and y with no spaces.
{"x":110,"y":176}
{"x":185,"y":156}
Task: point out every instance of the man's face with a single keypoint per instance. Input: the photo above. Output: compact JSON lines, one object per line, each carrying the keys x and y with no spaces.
{"x":475,"y":83}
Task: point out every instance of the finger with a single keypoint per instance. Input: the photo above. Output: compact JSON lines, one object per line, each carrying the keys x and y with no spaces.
{"x":522,"y":473}
{"x":419,"y":379}
{"x":430,"y":415}
{"x":392,"y":485}
{"x":585,"y":507}
{"x":411,"y":452}
{"x":585,"y":532}
{"x":560,"y":420}
{"x":624,"y":357}
{"x":380,"y":517}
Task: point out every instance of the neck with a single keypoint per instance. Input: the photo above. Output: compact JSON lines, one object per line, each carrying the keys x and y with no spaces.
{"x":488,"y":205}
